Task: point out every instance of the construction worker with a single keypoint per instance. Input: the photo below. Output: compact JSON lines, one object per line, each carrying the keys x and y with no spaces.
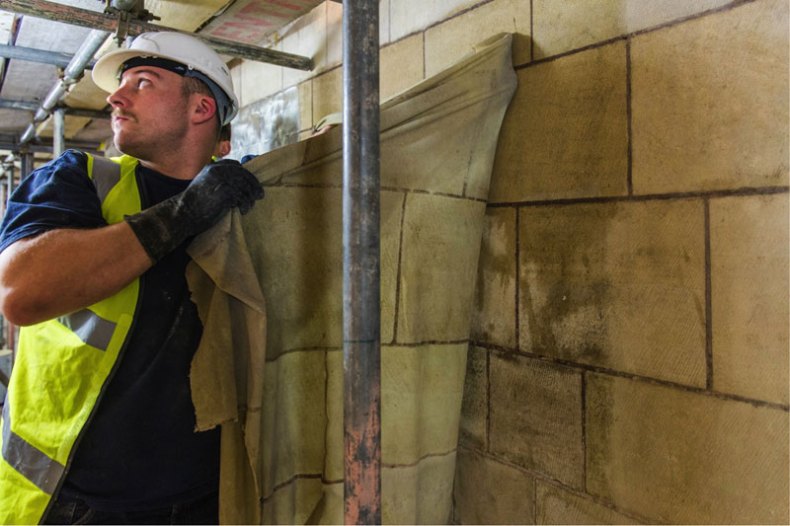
{"x":98,"y":425}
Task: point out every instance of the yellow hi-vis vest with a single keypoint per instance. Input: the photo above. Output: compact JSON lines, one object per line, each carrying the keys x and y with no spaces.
{"x":61,"y":368}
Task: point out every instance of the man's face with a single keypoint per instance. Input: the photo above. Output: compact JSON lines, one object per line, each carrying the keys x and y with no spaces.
{"x":149,"y":112}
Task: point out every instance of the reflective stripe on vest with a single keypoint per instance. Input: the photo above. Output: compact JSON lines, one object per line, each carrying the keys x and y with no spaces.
{"x":90,"y":327}
{"x":61,"y":368}
{"x":32,"y":463}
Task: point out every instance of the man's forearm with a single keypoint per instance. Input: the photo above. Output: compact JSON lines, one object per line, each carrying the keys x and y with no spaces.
{"x":64,"y":270}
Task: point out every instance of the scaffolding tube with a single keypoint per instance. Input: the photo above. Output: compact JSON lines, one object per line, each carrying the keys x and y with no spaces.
{"x":72,"y":75}
{"x":361,"y":263}
{"x":87,"y":18}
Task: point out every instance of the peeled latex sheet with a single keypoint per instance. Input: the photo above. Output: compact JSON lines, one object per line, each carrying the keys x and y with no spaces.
{"x":268,"y":286}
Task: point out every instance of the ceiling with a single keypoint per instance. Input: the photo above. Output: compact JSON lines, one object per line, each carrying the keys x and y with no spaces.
{"x":24,"y":84}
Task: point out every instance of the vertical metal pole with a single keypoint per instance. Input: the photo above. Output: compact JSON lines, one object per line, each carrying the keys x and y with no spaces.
{"x":26,"y":164}
{"x":361,"y":256}
{"x":9,"y":183}
{"x":58,"y":132}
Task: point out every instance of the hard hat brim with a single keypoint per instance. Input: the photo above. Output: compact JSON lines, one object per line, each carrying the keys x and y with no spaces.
{"x":105,"y":71}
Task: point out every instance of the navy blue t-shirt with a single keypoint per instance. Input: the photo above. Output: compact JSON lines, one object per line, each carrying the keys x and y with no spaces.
{"x":140,"y":450}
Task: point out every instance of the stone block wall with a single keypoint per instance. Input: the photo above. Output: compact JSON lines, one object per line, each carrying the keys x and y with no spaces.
{"x":630,"y":356}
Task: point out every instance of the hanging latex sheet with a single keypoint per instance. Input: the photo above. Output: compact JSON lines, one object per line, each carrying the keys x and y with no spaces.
{"x":271,"y":373}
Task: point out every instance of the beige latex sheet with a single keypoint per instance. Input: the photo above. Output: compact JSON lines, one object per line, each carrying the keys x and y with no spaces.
{"x":268,"y":286}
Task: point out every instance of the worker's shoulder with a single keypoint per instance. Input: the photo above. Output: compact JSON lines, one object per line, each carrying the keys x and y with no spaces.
{"x":71,"y":165}
{"x":70,"y":160}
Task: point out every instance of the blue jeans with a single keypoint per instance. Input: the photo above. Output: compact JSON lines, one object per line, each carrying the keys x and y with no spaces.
{"x":204,"y":510}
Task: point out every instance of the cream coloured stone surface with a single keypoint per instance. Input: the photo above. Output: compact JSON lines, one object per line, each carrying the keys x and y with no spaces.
{"x":334,"y":34}
{"x":684,"y":457}
{"x":489,"y":492}
{"x":494,"y":316}
{"x":536,"y":416}
{"x":256,"y":80}
{"x":235,"y":76}
{"x":421,"y":389}
{"x":402,"y":66}
{"x":306,"y":36}
{"x":474,"y":406}
{"x":384,"y":22}
{"x":410,"y":16}
{"x":616,"y":285}
{"x":710,"y":104}
{"x":304,"y":227}
{"x":572,"y":24}
{"x":447,"y":42}
{"x":566,"y":131}
{"x":557,"y":505}
{"x":305,"y":94}
{"x":435,"y":231}
{"x":749,"y":290}
{"x":327,"y":94}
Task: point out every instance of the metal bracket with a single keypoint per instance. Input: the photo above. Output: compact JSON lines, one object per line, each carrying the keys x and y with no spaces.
{"x":127,"y":11}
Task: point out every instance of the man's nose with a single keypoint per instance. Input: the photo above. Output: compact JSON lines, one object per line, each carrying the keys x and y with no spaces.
{"x":117,"y":97}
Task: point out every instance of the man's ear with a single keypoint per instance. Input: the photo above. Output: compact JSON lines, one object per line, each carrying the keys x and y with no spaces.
{"x":204,"y":108}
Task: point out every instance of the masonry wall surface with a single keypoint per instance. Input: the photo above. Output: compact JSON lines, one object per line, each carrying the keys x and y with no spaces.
{"x":630,"y":355}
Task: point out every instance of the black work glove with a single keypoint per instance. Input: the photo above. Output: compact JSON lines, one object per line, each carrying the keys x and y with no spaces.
{"x":218,"y":187}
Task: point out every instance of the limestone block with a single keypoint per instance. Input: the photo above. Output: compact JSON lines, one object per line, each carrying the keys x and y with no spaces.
{"x":256,"y":81}
{"x":421,"y":392}
{"x":617,"y":285}
{"x":536,"y":416}
{"x":556,"y":505}
{"x":327,"y":94}
{"x":334,"y":34}
{"x":404,"y":22}
{"x":402,"y":66}
{"x":474,"y":405}
{"x":384,"y":22}
{"x":306,"y":36}
{"x":489,"y":492}
{"x":435,"y":231}
{"x":495,"y":297}
{"x":710,"y":105}
{"x":235,"y":76}
{"x":305,"y":94}
{"x":566,"y":131}
{"x":572,"y":24}
{"x":447,"y":42}
{"x":683,"y":457}
{"x":749,"y":290}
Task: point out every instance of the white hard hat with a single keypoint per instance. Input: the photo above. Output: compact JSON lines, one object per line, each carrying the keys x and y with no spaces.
{"x":177,"y":47}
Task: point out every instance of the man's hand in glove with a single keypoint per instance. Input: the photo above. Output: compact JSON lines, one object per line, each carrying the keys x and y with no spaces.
{"x":219,"y":187}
